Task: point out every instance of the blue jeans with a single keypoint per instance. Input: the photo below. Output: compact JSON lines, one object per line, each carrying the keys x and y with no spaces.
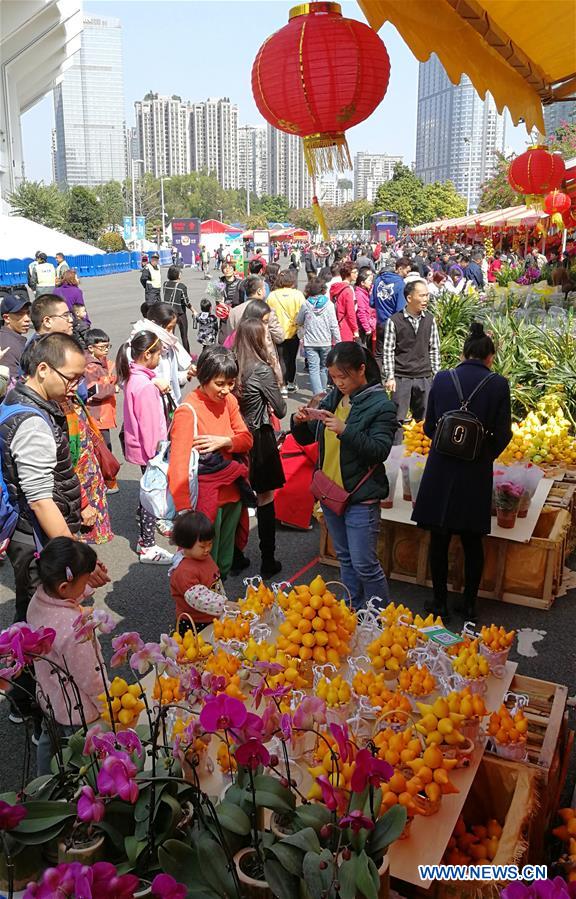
{"x":316,"y":358}
{"x":355,"y":539}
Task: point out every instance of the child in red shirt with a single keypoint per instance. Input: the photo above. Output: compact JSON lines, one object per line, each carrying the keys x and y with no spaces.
{"x":193,"y":534}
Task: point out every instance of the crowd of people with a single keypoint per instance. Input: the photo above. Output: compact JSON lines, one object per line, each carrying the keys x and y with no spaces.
{"x":362,"y":330}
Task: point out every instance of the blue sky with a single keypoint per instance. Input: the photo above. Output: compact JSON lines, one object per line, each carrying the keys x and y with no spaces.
{"x":205,"y":48}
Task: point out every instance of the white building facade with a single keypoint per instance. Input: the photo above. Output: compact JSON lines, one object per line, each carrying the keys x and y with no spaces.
{"x":89,"y":109}
{"x":38,"y":40}
{"x":334,"y":190}
{"x":287,"y":173}
{"x":458,"y":135}
{"x":370,"y":171}
{"x":213,"y":136}
{"x":162,"y":125}
{"x":253,"y":159}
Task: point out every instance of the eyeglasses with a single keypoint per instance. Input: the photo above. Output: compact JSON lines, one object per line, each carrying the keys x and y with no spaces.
{"x":70,"y":382}
{"x":102,"y":346}
{"x":66,"y":315}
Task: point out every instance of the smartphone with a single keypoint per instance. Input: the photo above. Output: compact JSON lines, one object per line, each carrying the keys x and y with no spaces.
{"x":316,"y":413}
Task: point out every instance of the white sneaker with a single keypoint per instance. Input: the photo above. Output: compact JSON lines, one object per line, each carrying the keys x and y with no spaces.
{"x":164,"y":527}
{"x":155,"y":555}
{"x":284,"y":391}
{"x":292,"y":388}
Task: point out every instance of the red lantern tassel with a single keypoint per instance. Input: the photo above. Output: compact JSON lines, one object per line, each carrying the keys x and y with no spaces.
{"x":326,"y":153}
{"x":319,"y":216}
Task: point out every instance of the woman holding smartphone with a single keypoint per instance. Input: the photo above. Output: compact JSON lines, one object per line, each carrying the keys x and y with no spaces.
{"x":354,"y":426}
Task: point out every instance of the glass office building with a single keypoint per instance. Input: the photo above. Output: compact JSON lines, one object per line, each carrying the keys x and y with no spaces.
{"x":89,"y":145}
{"x":457,"y":133}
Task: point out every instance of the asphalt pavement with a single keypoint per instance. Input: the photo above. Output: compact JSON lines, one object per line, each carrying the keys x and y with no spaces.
{"x":138,"y":595}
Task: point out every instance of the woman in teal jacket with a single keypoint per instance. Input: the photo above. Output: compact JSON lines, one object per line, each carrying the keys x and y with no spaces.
{"x":354,"y":434}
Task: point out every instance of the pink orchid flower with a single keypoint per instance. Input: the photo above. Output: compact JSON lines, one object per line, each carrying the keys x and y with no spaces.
{"x":340,"y":734}
{"x":89,"y":807}
{"x":116,"y":777}
{"x":108,"y":884}
{"x":169,"y":647}
{"x":165,"y":887}
{"x":310,"y":713}
{"x":369,"y":770}
{"x":252,"y":754}
{"x":270,"y":721}
{"x":222,"y":712}
{"x":356,"y":821}
{"x":250,"y":730}
{"x":130,"y":741}
{"x":286,"y":726}
{"x":11,"y":815}
{"x":149,"y":656}
{"x":20,"y":643}
{"x":89,"y":621}
{"x":329,"y":793}
{"x":123,"y":644}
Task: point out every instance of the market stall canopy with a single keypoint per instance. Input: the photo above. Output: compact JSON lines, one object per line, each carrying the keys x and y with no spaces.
{"x":21,"y":238}
{"x":524,"y":54}
{"x":511,"y":216}
{"x":213,"y":226}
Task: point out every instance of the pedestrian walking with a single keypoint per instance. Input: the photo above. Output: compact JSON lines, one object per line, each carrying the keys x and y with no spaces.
{"x":41,"y":275}
{"x":175,"y":364}
{"x":206,"y":323}
{"x":151,"y":280}
{"x":16,"y":321}
{"x":317,"y":318}
{"x":388,"y":298}
{"x":286,"y":301}
{"x":175,"y":294}
{"x":342,"y":295}
{"x":365,"y":314}
{"x":455,"y":495}
{"x":61,"y":267}
{"x":411,"y":354}
{"x":101,"y":388}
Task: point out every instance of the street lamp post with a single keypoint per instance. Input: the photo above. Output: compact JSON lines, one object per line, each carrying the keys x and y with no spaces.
{"x":162,"y":179}
{"x":133,"y":161}
{"x":468,"y":140}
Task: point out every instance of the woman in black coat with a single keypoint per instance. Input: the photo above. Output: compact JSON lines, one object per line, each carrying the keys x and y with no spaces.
{"x":455,"y":496}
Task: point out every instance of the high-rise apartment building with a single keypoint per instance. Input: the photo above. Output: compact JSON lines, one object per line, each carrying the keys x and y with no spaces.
{"x":370,"y":171}
{"x":287,"y":173}
{"x":162,"y":126}
{"x":334,"y":190}
{"x":214,"y":139}
{"x":457,"y":134}
{"x":557,"y":113}
{"x":89,"y":109}
{"x":133,"y":152}
{"x":253,"y":159}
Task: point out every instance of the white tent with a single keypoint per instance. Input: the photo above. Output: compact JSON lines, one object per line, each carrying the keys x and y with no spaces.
{"x":21,"y":238}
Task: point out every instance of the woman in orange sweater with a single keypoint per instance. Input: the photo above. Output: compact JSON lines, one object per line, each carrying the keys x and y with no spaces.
{"x":212,"y":413}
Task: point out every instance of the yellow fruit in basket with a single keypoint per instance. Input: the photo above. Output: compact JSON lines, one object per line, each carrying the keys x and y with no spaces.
{"x":118,"y":687}
{"x":317,"y":586}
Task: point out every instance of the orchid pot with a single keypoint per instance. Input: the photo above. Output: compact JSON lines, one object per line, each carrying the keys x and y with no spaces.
{"x":86,"y":852}
{"x":247,"y":864}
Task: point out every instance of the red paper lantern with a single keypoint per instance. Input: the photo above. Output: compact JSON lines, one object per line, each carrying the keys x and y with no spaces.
{"x":536,"y":171}
{"x":556,"y":202}
{"x":318,"y":76}
{"x":569,"y":218}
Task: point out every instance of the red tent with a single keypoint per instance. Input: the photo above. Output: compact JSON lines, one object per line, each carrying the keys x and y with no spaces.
{"x":213,"y":226}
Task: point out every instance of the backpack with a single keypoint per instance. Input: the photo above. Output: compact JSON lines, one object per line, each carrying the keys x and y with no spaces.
{"x":460,"y":433}
{"x":9,"y":514}
{"x":155,"y":494}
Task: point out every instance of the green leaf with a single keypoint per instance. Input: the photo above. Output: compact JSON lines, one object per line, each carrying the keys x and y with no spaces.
{"x":43,"y":815}
{"x":267,"y":784}
{"x":214,"y":866}
{"x":364,"y":881}
{"x":282,"y":885}
{"x":232,"y":818}
{"x":313,"y":815}
{"x":39,"y":837}
{"x":317,"y":880}
{"x":134,"y":848}
{"x":40,"y":786}
{"x":289,"y":857}
{"x":388,"y":829}
{"x":181,"y":861}
{"x":273,"y":802}
{"x":347,"y":878}
{"x":306,"y":839}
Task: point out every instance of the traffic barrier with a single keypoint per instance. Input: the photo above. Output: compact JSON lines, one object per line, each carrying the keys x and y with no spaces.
{"x":15,"y":271}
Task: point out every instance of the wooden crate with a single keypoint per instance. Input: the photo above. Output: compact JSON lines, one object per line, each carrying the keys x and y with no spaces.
{"x":549,"y":737}
{"x":327,"y":552}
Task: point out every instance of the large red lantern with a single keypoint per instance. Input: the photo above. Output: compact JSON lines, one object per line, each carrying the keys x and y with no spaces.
{"x":569,"y":218}
{"x":536,"y":171}
{"x":318,"y":76}
{"x":555,"y":204}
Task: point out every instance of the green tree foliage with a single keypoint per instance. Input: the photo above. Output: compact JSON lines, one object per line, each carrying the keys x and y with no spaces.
{"x":415,"y":202}
{"x":257,"y":221}
{"x":274,"y":209}
{"x":112,"y":203}
{"x":303,"y":218}
{"x":111,"y":241}
{"x":85,"y":217}
{"x":40,"y":203}
{"x":496,"y":191}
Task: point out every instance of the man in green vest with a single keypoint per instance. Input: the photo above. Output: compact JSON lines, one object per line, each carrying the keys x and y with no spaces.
{"x":41,"y":275}
{"x":151,"y":281}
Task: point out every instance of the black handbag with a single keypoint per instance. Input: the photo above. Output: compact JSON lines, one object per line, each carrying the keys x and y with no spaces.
{"x":460,"y":433}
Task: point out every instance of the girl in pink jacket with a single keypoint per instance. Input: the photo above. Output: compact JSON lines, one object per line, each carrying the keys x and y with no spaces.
{"x":144,"y":423}
{"x":65,"y":566}
{"x":342,"y":295}
{"x":365,"y":314}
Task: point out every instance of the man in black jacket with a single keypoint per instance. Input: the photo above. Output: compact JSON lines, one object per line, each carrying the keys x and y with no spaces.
{"x":151,"y":280}
{"x":473,"y":270}
{"x":176,"y":295}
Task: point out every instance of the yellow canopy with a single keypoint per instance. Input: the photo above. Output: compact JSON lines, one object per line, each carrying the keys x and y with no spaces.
{"x":522,"y":51}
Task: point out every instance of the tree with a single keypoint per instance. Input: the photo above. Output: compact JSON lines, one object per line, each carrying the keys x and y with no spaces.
{"x":496,"y":191}
{"x":256,"y":221}
{"x":275,"y":209}
{"x":415,"y":202}
{"x":563,"y":140}
{"x":112,"y":203}
{"x":40,"y":203}
{"x":111,"y":241}
{"x":84,"y":217}
{"x":303,"y":218}
{"x":443,"y":201}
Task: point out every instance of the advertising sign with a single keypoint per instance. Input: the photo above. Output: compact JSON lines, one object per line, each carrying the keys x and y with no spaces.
{"x":140,"y":227}
{"x":127,"y":228}
{"x":262,"y":242}
{"x":186,"y":238}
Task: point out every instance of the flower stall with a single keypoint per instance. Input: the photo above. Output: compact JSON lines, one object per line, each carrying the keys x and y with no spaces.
{"x":294,"y":748}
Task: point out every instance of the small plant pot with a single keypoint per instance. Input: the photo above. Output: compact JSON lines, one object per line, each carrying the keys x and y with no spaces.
{"x":506,"y":519}
{"x":86,"y":854}
{"x":515,"y":752}
{"x":251,"y":888}
{"x":470,"y":729}
{"x":496,"y":660}
{"x":281,"y":825}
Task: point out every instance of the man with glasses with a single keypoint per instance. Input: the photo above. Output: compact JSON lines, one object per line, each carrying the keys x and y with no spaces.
{"x":38,"y":469}
{"x":50,"y":315}
{"x":102,"y":387}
